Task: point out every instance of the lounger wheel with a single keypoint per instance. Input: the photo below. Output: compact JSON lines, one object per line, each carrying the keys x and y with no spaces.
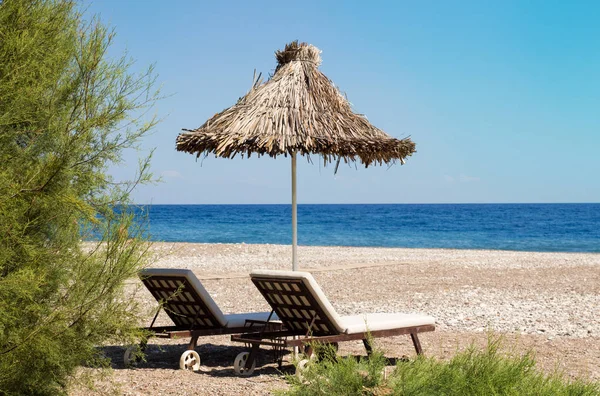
{"x":189,"y":360}
{"x":302,"y":366}
{"x":131,"y":356}
{"x":128,"y":356}
{"x":239,"y":364}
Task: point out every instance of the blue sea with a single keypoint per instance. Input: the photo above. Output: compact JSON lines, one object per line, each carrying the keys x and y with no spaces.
{"x":524,"y":227}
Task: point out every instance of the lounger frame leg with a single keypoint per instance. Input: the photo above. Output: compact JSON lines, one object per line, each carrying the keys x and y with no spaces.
{"x":416,"y":343}
{"x":193,"y":343}
{"x":252,"y":356}
{"x":368,"y":346}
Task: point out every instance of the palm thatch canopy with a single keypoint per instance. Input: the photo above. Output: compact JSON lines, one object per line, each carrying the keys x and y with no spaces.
{"x":297,"y":110}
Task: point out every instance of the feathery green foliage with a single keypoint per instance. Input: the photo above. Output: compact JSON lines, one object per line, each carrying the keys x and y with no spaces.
{"x":332,"y":375}
{"x":470,"y":372}
{"x":67,"y":112}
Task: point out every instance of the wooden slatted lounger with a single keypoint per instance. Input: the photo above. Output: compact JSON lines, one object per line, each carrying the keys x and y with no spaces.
{"x":305,"y":311}
{"x":193,"y":312}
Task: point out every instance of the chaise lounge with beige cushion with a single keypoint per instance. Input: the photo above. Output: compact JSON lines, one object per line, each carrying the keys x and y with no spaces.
{"x":194,"y":313}
{"x":305,"y":311}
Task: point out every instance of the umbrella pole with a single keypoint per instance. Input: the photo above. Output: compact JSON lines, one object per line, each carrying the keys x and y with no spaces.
{"x":294,"y":216}
{"x":294,"y":227}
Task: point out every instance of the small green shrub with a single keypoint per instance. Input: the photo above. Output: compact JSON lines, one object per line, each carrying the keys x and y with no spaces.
{"x":483,"y":372}
{"x":471,"y":372}
{"x":331,"y":375}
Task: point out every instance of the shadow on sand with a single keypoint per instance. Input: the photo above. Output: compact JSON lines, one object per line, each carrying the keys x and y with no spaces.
{"x":216,"y":360}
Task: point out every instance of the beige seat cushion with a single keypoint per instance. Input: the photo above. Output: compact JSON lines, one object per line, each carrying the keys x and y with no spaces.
{"x":314,"y":288}
{"x":194,"y":282}
{"x":384,"y":321}
{"x":348,"y":324}
{"x":229,"y":320}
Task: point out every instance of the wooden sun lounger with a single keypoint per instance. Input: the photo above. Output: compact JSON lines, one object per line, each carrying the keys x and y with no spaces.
{"x":194,"y":313}
{"x":300,"y":304}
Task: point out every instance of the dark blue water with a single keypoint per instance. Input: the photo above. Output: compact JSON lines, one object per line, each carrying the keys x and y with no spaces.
{"x":529,"y":227}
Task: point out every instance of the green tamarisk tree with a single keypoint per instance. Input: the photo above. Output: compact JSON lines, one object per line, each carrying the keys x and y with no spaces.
{"x":67,"y":112}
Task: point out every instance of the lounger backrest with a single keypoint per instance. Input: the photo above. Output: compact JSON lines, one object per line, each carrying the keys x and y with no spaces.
{"x":298,"y":301}
{"x":184,"y":299}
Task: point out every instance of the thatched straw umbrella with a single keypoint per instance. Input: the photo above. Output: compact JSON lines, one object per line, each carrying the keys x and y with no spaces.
{"x":298,"y":110}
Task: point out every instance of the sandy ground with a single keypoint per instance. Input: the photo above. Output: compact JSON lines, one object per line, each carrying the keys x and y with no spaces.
{"x":545,"y":302}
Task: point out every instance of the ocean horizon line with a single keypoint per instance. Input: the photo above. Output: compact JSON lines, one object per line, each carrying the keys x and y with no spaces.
{"x":367,"y":203}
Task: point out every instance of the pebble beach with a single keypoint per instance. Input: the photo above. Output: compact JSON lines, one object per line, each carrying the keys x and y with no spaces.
{"x":548,"y":303}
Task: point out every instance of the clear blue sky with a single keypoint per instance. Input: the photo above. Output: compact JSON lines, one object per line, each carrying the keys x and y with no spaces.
{"x":502,"y":98}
